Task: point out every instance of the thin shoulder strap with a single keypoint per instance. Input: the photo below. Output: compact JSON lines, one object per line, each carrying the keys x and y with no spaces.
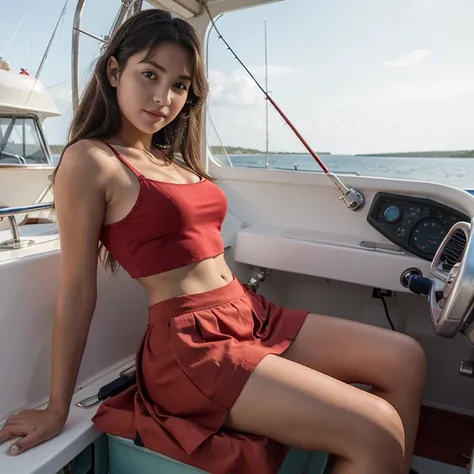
{"x":121,"y":158}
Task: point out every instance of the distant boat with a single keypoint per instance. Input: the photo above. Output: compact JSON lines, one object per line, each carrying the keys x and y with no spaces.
{"x":25,"y":157}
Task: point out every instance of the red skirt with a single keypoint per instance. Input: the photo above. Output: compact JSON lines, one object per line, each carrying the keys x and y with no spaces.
{"x":196,"y":356}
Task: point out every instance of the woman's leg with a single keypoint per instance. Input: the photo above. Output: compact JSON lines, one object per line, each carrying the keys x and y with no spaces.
{"x":392,"y":363}
{"x":301,"y":407}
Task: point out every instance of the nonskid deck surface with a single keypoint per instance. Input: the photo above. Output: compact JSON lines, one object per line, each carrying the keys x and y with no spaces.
{"x":445,"y":437}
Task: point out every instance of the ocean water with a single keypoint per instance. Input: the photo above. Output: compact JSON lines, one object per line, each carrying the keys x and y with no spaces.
{"x":458,"y":172}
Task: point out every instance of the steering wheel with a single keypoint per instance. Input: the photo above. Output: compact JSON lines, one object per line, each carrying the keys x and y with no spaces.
{"x":6,"y":154}
{"x":454,"y":310}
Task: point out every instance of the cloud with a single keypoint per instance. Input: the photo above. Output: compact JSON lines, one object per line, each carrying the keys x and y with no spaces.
{"x":426,"y":7}
{"x":237,"y":89}
{"x":412,"y":58}
{"x":435,"y":90}
{"x":274,"y":71}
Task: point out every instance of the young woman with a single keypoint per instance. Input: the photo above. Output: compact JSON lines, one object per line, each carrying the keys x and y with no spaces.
{"x":225,"y":378}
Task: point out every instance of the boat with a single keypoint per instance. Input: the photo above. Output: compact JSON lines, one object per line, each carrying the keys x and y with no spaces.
{"x":381,"y":251}
{"x":26,"y":162}
{"x":25,"y":158}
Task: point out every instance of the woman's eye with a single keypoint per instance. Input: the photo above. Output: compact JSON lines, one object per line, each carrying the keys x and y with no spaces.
{"x":181,"y":86}
{"x":149,"y":74}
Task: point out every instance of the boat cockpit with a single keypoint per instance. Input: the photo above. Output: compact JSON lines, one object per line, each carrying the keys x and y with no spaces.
{"x":22,"y":141}
{"x":394,"y":253}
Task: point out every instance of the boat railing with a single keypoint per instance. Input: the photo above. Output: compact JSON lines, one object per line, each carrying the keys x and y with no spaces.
{"x":16,"y":241}
{"x":127,"y":8}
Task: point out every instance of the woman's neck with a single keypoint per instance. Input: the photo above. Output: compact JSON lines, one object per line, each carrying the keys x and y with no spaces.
{"x":131,"y":136}
{"x":143,"y":143}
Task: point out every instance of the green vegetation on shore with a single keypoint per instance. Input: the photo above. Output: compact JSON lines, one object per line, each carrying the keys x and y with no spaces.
{"x":56,"y":149}
{"x":237,"y":150}
{"x":218,"y":150}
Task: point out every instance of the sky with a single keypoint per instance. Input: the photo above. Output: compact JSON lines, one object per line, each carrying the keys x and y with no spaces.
{"x":359,"y":76}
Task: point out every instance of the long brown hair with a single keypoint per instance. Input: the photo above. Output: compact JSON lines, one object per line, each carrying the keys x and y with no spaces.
{"x":98,"y":115}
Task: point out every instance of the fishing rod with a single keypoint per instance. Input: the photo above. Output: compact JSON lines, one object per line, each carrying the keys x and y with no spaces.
{"x":45,"y":55}
{"x":352,"y":198}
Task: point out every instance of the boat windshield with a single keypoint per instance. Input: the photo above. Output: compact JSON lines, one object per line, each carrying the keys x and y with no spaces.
{"x":21,"y":142}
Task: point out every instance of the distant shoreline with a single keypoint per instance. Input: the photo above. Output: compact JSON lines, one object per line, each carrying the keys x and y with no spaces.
{"x":415,"y":154}
{"x":425,"y":154}
{"x":231,"y":150}
{"x":219,"y":150}
{"x":237,"y":150}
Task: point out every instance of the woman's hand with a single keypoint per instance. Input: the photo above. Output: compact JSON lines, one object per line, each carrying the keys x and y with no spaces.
{"x":34,"y":426}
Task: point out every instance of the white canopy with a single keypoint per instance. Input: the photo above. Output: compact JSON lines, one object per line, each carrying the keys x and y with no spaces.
{"x":191,"y":8}
{"x":20,"y":94}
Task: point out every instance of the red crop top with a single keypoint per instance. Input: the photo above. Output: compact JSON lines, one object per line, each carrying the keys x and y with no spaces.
{"x":170,"y":225}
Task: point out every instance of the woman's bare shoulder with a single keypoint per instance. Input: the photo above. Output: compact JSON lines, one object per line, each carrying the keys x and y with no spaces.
{"x":86,"y":157}
{"x":80,"y":192}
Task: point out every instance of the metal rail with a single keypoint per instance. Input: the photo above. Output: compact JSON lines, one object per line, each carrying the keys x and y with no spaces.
{"x":127,"y":8}
{"x":11,"y":212}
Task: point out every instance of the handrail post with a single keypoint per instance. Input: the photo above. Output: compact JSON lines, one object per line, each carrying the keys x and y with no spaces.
{"x":14,"y":228}
{"x":16,"y":241}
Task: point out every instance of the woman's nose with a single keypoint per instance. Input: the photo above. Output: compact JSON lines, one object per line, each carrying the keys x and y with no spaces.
{"x":162,"y":95}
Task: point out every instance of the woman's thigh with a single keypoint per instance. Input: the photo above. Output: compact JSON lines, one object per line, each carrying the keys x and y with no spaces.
{"x":355,"y":352}
{"x":303,"y":408}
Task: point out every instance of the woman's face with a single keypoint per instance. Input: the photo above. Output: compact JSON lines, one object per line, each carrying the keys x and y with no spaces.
{"x":152,"y":92}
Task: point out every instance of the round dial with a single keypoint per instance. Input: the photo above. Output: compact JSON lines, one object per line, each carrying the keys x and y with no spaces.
{"x":427,"y":236}
{"x":392,"y":214}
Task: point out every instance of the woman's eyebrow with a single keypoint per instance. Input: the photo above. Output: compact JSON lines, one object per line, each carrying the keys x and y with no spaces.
{"x":183,"y":77}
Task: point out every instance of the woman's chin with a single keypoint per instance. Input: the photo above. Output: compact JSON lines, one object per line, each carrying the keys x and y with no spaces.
{"x":148,"y":128}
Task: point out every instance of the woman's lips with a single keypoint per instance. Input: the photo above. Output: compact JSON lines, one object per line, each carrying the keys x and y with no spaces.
{"x":155,"y":115}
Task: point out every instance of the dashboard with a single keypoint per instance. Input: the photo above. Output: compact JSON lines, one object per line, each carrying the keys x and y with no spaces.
{"x":417,"y":225}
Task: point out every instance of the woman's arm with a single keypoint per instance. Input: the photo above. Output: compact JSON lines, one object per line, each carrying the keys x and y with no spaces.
{"x":80,"y":202}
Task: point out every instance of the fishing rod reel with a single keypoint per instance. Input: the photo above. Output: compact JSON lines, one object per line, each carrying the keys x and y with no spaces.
{"x":351,"y":197}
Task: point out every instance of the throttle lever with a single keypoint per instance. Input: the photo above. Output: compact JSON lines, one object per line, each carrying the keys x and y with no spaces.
{"x":419,"y":284}
{"x":414,"y":280}
{"x":422,"y":285}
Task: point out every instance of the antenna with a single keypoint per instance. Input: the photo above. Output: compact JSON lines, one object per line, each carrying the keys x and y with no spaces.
{"x":14,"y":34}
{"x":45,"y":55}
{"x":266,"y":90}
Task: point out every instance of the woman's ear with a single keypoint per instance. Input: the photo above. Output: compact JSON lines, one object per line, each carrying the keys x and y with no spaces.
{"x":112,"y":71}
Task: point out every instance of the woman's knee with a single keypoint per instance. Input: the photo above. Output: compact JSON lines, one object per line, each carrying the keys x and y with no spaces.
{"x":382,"y":437}
{"x":412,"y":359}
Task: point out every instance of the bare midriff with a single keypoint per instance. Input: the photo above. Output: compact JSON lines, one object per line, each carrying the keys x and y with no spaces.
{"x":200,"y":277}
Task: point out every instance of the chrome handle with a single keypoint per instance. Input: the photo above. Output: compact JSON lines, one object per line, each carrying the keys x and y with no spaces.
{"x":16,"y":242}
{"x":89,"y":402}
{"x":12,"y":211}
